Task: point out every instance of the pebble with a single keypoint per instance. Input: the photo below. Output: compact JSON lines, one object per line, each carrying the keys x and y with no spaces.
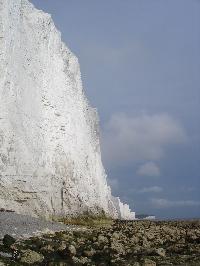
{"x":17,"y":225}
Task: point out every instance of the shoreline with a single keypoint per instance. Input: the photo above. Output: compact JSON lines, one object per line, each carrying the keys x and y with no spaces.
{"x":137,"y":243}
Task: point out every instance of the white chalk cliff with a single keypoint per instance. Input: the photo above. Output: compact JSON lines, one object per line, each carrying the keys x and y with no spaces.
{"x":50,"y":160}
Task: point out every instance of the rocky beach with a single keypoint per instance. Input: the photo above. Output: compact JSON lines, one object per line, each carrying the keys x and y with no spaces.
{"x":138,"y":243}
{"x":59,"y":206}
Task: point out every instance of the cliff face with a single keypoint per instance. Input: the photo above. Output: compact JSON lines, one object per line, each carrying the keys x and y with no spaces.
{"x":50,"y":161}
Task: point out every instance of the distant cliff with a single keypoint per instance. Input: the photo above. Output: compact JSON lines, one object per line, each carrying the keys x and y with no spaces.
{"x":50,"y":160}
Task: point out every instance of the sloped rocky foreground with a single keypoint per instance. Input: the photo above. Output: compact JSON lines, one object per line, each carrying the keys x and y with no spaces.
{"x":138,"y":243}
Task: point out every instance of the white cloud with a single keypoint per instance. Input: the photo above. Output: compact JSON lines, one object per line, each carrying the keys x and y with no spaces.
{"x":164,"y":203}
{"x":128,"y":139}
{"x":154,"y":189}
{"x":149,"y":169}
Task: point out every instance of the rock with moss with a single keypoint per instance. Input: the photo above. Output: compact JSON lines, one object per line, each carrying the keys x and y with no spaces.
{"x":31,"y":257}
{"x":160,"y":252}
{"x":8,"y":241}
{"x":148,"y":262}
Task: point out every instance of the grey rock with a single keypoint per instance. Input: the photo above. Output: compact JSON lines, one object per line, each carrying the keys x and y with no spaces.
{"x":47,"y":249}
{"x":116,"y":235}
{"x":8,"y":240}
{"x":81,"y":260}
{"x":102,"y":239}
{"x":71,"y":250}
{"x":134,"y":239}
{"x":160,"y":252}
{"x":150,"y":236}
{"x":62,"y":246}
{"x":89,"y":253}
{"x":148,"y":262}
{"x":5,"y":254}
{"x":30,"y":257}
{"x":118,"y":248}
{"x":58,"y":264}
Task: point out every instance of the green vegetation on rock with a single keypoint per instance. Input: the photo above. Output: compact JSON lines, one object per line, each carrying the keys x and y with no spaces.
{"x":87,"y":219}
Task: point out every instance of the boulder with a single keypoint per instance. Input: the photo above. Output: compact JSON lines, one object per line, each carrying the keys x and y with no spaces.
{"x":30,"y":257}
{"x":8,"y":241}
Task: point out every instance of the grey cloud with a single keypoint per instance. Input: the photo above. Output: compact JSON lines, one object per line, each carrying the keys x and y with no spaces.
{"x":149,"y":169}
{"x":154,"y":189}
{"x":129,"y":139}
{"x":165,"y":203}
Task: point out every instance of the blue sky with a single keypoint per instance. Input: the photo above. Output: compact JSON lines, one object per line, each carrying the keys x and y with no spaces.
{"x":140,"y":64}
